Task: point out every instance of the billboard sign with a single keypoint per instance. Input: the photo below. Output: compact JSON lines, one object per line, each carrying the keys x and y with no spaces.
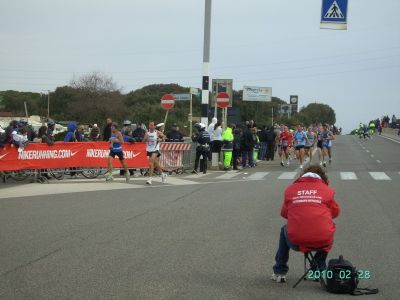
{"x":255,"y":93}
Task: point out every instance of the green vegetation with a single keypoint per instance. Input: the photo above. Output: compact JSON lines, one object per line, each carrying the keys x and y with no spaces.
{"x":94,"y":97}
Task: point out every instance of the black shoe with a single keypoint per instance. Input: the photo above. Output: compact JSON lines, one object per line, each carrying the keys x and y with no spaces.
{"x":282,"y":164}
{"x":194,"y":172}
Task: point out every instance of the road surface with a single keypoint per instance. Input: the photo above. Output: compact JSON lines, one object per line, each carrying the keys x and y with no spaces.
{"x":196,"y":237}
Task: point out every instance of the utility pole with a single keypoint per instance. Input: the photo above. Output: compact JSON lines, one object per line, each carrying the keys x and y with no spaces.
{"x":48,"y":103}
{"x":205,"y":93}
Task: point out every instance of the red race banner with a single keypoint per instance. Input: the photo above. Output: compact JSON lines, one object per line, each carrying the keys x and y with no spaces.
{"x":65,"y":155}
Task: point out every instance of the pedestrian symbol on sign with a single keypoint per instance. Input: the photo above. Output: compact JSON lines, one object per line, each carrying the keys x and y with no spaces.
{"x":334,"y":12}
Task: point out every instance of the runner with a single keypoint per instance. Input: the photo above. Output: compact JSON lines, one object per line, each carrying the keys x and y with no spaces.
{"x":300,"y":140}
{"x":152,"y":139}
{"x":116,"y":140}
{"x":319,"y":144}
{"x":285,"y":139}
{"x":327,"y":138}
{"x":311,"y":137}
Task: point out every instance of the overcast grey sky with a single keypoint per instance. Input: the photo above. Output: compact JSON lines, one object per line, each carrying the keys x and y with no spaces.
{"x":277,"y":43}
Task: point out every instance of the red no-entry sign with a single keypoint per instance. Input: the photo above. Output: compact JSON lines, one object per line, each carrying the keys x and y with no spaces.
{"x":222,"y":99}
{"x":167,"y":101}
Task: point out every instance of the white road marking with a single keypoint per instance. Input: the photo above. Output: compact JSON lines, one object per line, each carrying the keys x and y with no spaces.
{"x":379,"y":176}
{"x":200,"y":175}
{"x":348,"y":176}
{"x":258,"y":175}
{"x":372,"y":155}
{"x":388,"y":138}
{"x":26,"y":190}
{"x":177,"y":181}
{"x":378,"y":161}
{"x":288,"y":175}
{"x":367,"y":151}
{"x":227,"y":175}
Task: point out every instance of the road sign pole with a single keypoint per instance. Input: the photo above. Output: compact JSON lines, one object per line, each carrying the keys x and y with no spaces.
{"x":215,"y":107}
{"x":190,"y":114}
{"x":165,"y":119}
{"x":272,"y":116}
{"x":206,"y":61}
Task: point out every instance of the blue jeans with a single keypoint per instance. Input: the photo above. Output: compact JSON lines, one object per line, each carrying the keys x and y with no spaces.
{"x":263,"y":150}
{"x":247,"y":154}
{"x":282,"y":255}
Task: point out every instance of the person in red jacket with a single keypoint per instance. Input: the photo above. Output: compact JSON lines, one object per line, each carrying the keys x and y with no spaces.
{"x":309,"y":208}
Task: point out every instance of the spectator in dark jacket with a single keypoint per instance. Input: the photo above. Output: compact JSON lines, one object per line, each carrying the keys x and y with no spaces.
{"x":139,"y":132}
{"x":270,"y":138}
{"x":247,"y":144}
{"x":107,"y":130}
{"x":80,"y":134}
{"x":237,"y":135}
{"x":174,"y":135}
{"x":6,"y":138}
{"x":262,"y":136}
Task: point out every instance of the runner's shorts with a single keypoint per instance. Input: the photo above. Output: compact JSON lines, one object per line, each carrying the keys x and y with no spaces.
{"x":119,"y":154}
{"x":319,"y":144}
{"x":150,"y":154}
{"x":299,"y":147}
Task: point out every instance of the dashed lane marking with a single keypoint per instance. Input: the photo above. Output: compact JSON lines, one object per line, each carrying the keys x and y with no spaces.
{"x":379,"y":176}
{"x":227,"y":175}
{"x":258,"y":175}
{"x":348,"y":176}
{"x":288,"y":175}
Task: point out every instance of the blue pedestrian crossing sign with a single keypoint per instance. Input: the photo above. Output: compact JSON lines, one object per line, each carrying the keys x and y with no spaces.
{"x":334,"y":14}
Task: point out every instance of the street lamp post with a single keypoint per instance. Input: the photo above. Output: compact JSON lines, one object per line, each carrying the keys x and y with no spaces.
{"x":48,"y":103}
{"x":206,"y":61}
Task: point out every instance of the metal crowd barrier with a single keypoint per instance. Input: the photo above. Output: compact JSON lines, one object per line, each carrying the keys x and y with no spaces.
{"x":176,"y":157}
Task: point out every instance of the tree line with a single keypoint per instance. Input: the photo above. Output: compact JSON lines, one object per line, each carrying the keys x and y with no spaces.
{"x":93,"y":97}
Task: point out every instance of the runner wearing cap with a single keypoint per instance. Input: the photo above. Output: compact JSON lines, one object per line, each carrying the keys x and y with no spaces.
{"x":152,"y":138}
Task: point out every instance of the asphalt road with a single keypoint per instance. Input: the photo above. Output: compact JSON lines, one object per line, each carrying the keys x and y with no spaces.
{"x":194,"y":238}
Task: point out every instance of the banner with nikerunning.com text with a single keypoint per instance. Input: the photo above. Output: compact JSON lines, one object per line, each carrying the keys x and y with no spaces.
{"x":65,"y":155}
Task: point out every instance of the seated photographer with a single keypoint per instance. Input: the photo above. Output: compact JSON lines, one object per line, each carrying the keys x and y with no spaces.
{"x":309,"y":208}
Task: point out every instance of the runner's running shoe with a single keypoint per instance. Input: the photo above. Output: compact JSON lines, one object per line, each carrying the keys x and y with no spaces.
{"x":109,"y":177}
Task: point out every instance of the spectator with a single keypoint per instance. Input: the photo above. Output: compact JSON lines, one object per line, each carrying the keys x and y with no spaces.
{"x":174,"y":135}
{"x":227,"y":140}
{"x":262,"y":136}
{"x":51,"y":127}
{"x":270,"y":138}
{"x":236,"y":148}
{"x":139,"y":132}
{"x":94,"y":134}
{"x":31,"y":134}
{"x":394,"y":121}
{"x":42,"y":137}
{"x":107,"y":130}
{"x":20,"y":138}
{"x":247,"y":144}
{"x":80,"y":134}
{"x":211,"y":130}
{"x":6,"y":137}
{"x":70,"y":136}
{"x":309,"y":208}
{"x":217,"y":138}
